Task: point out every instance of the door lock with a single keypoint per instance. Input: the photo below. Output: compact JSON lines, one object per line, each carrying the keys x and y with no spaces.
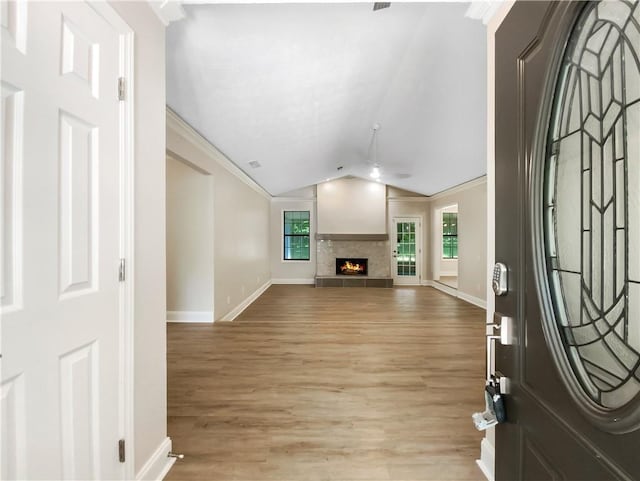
{"x":499,"y":279}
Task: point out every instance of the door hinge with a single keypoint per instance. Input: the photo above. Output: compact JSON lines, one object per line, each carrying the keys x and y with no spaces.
{"x":121,"y":455}
{"x":121,"y":88}
{"x":122,"y":271}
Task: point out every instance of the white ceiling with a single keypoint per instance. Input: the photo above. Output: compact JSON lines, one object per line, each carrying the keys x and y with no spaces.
{"x":298,"y":88}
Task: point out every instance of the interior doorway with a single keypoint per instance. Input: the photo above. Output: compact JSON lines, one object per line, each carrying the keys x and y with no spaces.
{"x":189,"y":243}
{"x":446,"y":261}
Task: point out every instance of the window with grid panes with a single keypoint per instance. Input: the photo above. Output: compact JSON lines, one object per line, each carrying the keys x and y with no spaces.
{"x":449,"y":235}
{"x":296,"y":235}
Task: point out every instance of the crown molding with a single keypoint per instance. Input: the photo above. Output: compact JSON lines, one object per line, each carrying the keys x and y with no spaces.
{"x":167,"y":10}
{"x":178,"y":125}
{"x":460,"y":188}
{"x":409,"y":199}
{"x":293,"y":199}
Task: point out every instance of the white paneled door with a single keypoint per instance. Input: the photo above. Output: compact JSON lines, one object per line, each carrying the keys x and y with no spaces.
{"x":61,"y":152}
{"x":407,"y":251}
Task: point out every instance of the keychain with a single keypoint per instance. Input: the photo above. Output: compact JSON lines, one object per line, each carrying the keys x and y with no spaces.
{"x":496,"y":401}
{"x":494,"y":412}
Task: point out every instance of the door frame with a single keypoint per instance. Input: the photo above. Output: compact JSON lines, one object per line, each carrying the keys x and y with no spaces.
{"x":419,"y":246}
{"x":437,"y":230}
{"x":126,"y":196}
{"x":486,"y":462}
{"x":169,"y":155}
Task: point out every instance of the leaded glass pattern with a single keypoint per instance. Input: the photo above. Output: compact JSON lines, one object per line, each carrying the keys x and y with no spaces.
{"x":592,"y":202}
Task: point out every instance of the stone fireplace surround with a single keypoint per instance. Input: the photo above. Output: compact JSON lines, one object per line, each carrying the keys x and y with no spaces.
{"x":374,"y":247}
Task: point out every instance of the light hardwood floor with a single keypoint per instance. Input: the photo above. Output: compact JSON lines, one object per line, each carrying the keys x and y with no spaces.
{"x":330,"y":384}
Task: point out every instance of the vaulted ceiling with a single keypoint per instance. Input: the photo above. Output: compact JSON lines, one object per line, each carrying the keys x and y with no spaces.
{"x":299,"y":87}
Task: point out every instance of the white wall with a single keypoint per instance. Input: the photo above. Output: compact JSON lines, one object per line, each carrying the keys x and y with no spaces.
{"x":189,"y":242}
{"x":292,"y":272}
{"x":471,"y":200}
{"x":241,"y":221}
{"x":150,"y":389}
{"x":351,"y":206}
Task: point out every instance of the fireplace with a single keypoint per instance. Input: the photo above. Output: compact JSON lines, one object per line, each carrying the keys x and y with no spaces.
{"x":351,"y":266}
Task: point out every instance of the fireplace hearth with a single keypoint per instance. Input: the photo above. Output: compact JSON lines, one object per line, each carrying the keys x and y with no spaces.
{"x":352,"y":266}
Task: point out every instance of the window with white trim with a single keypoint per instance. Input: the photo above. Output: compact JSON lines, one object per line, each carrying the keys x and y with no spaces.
{"x":296,"y":235}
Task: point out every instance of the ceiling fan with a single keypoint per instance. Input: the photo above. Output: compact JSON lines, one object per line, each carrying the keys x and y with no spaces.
{"x":381,"y":5}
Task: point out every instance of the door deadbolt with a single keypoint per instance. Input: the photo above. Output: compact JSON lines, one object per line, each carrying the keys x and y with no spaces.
{"x":499,"y":279}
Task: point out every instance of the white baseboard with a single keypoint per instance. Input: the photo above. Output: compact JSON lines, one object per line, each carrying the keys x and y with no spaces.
{"x":487,"y":460}
{"x":236,"y":311}
{"x":448,"y":274}
{"x":159,"y":464}
{"x":441,"y":287}
{"x":190,"y":316}
{"x":476,"y":301}
{"x":472,"y":299}
{"x":293,"y":281}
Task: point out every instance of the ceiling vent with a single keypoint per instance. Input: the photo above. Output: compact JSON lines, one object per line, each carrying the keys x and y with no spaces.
{"x":255,"y":164}
{"x":381,"y":5}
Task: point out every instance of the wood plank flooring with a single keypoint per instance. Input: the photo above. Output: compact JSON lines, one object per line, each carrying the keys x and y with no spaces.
{"x":330,"y":384}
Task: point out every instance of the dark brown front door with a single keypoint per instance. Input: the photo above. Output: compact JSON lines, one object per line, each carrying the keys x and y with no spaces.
{"x":568,"y":228}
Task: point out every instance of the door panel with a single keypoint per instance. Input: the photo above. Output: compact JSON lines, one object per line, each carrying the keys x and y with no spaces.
{"x":406,"y":256}
{"x":547,"y":435}
{"x":60,"y":243}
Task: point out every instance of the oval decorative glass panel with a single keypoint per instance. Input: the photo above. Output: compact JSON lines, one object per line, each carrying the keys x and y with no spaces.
{"x":591,"y":211}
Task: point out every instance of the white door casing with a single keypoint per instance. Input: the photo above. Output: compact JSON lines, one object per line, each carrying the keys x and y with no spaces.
{"x":406,"y":255}
{"x":443,"y":266}
{"x":66,"y":164}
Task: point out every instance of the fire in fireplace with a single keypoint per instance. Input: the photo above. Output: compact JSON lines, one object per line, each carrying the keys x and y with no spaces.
{"x":351,"y":266}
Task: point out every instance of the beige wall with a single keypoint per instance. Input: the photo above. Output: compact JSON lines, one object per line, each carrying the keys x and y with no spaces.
{"x":352,"y":206}
{"x":241,"y":220}
{"x":472,"y":236}
{"x":289,"y":272}
{"x":189,"y":240}
{"x":150,"y":389}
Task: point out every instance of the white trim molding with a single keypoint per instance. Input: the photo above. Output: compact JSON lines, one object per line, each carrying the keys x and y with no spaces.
{"x":236,"y":311}
{"x":159,"y":464}
{"x":182,"y":128}
{"x":293,"y":199}
{"x":449,"y":273}
{"x":487,"y":459}
{"x":167,"y":10}
{"x":126,"y":181}
{"x":476,"y":301}
{"x":190,"y":316}
{"x":442,"y":287}
{"x":460,"y":188}
{"x":408,"y":199}
{"x":293,"y":281}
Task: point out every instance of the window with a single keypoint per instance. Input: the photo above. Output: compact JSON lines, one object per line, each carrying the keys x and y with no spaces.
{"x":449,"y":235}
{"x":296,"y":235}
